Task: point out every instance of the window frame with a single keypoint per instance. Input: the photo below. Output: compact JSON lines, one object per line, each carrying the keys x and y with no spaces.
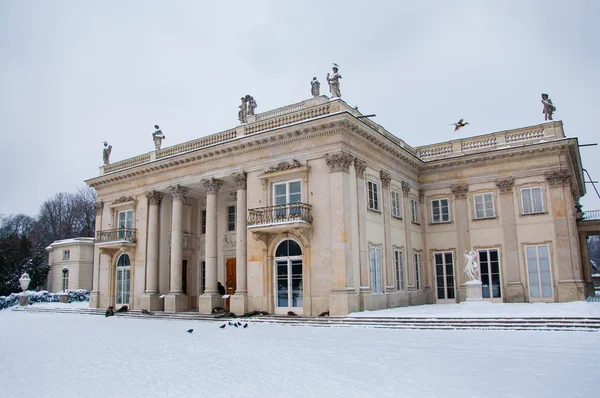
{"x":66,"y":254}
{"x":373,"y":196}
{"x":532,"y":200}
{"x":441,"y":221}
{"x":418,"y":262}
{"x":231,"y":223}
{"x":203,"y":222}
{"x":65,"y":279}
{"x":396,"y":202}
{"x":400,"y":270}
{"x":376,"y":269}
{"x":483,"y":203}
{"x":414,"y":211}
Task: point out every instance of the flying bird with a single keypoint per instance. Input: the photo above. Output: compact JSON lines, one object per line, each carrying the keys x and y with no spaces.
{"x":460,"y":124}
{"x":190,"y":330}
{"x":223,"y":326}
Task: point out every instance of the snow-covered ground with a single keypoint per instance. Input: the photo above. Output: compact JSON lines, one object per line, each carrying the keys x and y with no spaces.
{"x":489,"y":310}
{"x":64,"y":355}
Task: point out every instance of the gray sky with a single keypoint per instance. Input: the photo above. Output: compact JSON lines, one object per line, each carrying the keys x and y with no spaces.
{"x":76,"y":73}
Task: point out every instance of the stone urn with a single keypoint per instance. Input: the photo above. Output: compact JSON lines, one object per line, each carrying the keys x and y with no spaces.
{"x":24,"y":281}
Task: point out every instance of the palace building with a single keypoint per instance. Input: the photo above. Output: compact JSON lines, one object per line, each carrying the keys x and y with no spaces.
{"x":312,"y":207}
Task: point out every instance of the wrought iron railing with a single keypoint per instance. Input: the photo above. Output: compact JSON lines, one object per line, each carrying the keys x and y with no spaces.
{"x":591,"y":215}
{"x":279,"y":214}
{"x":117,"y":234}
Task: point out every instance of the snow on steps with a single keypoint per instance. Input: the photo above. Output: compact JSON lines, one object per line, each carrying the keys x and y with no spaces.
{"x":495,"y":323}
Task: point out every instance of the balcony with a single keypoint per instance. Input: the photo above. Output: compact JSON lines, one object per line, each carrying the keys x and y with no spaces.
{"x":280,"y":217}
{"x":116,"y":237}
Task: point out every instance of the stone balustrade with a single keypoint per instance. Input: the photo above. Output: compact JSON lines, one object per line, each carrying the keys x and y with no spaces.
{"x":124,"y":164}
{"x":295,"y":117}
{"x":279,"y":214}
{"x":116,"y":234}
{"x":196,"y":144}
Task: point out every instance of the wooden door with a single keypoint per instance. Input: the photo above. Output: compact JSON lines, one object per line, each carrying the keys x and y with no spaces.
{"x":230,"y":284}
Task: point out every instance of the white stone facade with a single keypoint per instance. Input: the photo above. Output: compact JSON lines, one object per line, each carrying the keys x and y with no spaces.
{"x":71,"y":263}
{"x":375,"y":222}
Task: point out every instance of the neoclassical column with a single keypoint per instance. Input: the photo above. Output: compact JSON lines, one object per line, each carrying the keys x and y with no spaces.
{"x":461,"y":209}
{"x":95,"y":293}
{"x":176,"y":300}
{"x":406,"y":213}
{"x":150,"y":300}
{"x":343,"y":298}
{"x":210,"y":299}
{"x":585,"y":263}
{"x":361,"y":191}
{"x":514,"y":291}
{"x":239,"y":301}
{"x":387,"y":279}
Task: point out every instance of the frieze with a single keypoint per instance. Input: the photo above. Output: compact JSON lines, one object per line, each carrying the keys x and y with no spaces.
{"x":283,"y":166}
{"x":505,"y":185}
{"x":339,"y":162}
{"x":123,"y":199}
{"x":460,"y":191}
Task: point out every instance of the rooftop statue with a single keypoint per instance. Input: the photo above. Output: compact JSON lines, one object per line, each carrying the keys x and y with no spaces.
{"x":243,"y":112}
{"x":549,"y":109}
{"x":315,"y":87}
{"x":251,"y":104}
{"x":106,"y":153}
{"x":157,"y":137}
{"x":334,"y":82}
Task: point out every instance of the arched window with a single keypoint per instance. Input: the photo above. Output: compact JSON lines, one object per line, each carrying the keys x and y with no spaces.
{"x":123,"y":279}
{"x":288,"y":277}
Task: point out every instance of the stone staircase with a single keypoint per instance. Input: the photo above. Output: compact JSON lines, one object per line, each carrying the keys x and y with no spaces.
{"x":580,"y":324}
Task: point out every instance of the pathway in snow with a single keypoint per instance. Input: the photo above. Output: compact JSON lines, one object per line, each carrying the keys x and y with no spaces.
{"x":60,"y":355}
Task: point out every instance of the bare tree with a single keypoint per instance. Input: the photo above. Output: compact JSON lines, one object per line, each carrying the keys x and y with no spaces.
{"x":20,"y":224}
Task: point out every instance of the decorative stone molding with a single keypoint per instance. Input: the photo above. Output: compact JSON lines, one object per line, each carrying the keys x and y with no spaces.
{"x":421,"y":195}
{"x":283,"y":166}
{"x":240,"y":180}
{"x":123,"y":199}
{"x":233,"y":196}
{"x":505,"y":185}
{"x":154,"y":197}
{"x":212,"y":185}
{"x":98,"y":207}
{"x":263,"y":238}
{"x":460,"y":191}
{"x":360,"y":166}
{"x":178,"y":192}
{"x":405,"y":188}
{"x":339,"y":162}
{"x":201,"y":245}
{"x":386,"y":178}
{"x":229,"y":241}
{"x":187,"y":243}
{"x":558,"y":178}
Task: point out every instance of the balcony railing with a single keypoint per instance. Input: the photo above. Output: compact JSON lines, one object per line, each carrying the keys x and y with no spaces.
{"x":591,"y":215}
{"x":279,"y":214}
{"x":115,"y":235}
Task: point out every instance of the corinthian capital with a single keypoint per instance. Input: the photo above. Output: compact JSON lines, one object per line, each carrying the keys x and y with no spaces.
{"x":99,"y":207}
{"x":386,"y":178}
{"x":339,"y":162}
{"x":360,"y":166}
{"x":178,"y":192}
{"x":154,"y":197}
{"x":558,"y":178}
{"x":212,"y":185}
{"x":460,"y":191}
{"x":505,"y":185}
{"x":405,"y":188}
{"x":240,"y":180}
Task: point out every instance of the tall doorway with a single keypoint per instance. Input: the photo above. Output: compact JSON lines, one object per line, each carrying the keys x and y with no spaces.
{"x":289,"y":293}
{"x":230,"y":280}
{"x":444,"y":277}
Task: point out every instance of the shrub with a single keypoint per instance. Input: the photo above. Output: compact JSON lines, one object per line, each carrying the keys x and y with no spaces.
{"x":44,"y":297}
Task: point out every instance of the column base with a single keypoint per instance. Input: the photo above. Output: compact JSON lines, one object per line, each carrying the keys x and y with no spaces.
{"x":343,"y":303}
{"x":176,"y":302}
{"x":514,"y":293}
{"x":151,"y":302}
{"x":571,"y":291}
{"x":239,"y":303}
{"x":95,"y":299}
{"x":208,"y":301}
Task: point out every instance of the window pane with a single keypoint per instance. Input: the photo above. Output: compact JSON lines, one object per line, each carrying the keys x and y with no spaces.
{"x":545,"y":276}
{"x":445,"y":213}
{"x":537,"y":200}
{"x":297,"y":289}
{"x":532,"y":270}
{"x":436,"y":210}
{"x":526,"y":199}
{"x":489,"y":205}
{"x":478,"y":206}
{"x":295,"y":188}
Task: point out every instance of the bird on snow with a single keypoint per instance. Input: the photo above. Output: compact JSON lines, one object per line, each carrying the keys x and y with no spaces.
{"x":458,"y":125}
{"x":230,"y":324}
{"x":245,"y":326}
{"x":235,"y":324}
{"x":223,"y":325}
{"x":190,"y":330}
{"x":239,"y":323}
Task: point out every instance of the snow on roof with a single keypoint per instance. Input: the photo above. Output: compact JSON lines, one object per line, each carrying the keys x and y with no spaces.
{"x":71,"y":241}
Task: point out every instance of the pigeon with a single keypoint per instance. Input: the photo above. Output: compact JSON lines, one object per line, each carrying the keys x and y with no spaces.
{"x":324,"y":313}
{"x":292,"y":313}
{"x":190,"y":330}
{"x":230,"y":324}
{"x":235,"y":324}
{"x":245,"y":326}
{"x":458,"y":125}
{"x":223,"y":325}
{"x":239,"y":323}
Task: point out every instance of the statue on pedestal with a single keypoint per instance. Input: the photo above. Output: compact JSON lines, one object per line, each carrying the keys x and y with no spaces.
{"x":471,"y":267}
{"x":157,"y":137}
{"x":251,"y":104}
{"x":315,"y":87}
{"x":549,"y":109}
{"x":243,"y":112}
{"x":334,"y":82}
{"x":106,"y":153}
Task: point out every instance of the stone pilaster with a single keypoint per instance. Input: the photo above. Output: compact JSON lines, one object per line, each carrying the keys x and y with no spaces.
{"x":176,"y":300}
{"x":514,"y":291}
{"x":95,"y":293}
{"x":211,"y":297}
{"x":409,"y":270}
{"x":343,"y":298}
{"x":461,"y":212}
{"x":360,"y":167}
{"x":239,"y":301}
{"x":149,"y":300}
{"x":387,"y":252}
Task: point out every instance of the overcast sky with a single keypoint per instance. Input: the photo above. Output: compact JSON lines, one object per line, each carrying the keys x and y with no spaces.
{"x":76,"y":73}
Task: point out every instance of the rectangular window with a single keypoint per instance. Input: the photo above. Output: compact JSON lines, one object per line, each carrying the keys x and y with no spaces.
{"x":440,"y":210}
{"x":538,"y":272}
{"x":444,"y":276}
{"x":489,"y":266}
{"x":484,"y":205}
{"x":396,"y":204}
{"x":376,"y":283}
{"x":418,"y":271}
{"x":414,"y":207}
{"x":125,"y":224}
{"x":202,"y":277}
{"x":285,"y":194}
{"x":373,"y":196}
{"x":203,"y":222}
{"x":532,"y":201}
{"x":65,"y":280}
{"x":230,"y":218}
{"x":399,"y":269}
{"x":66,"y":254}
